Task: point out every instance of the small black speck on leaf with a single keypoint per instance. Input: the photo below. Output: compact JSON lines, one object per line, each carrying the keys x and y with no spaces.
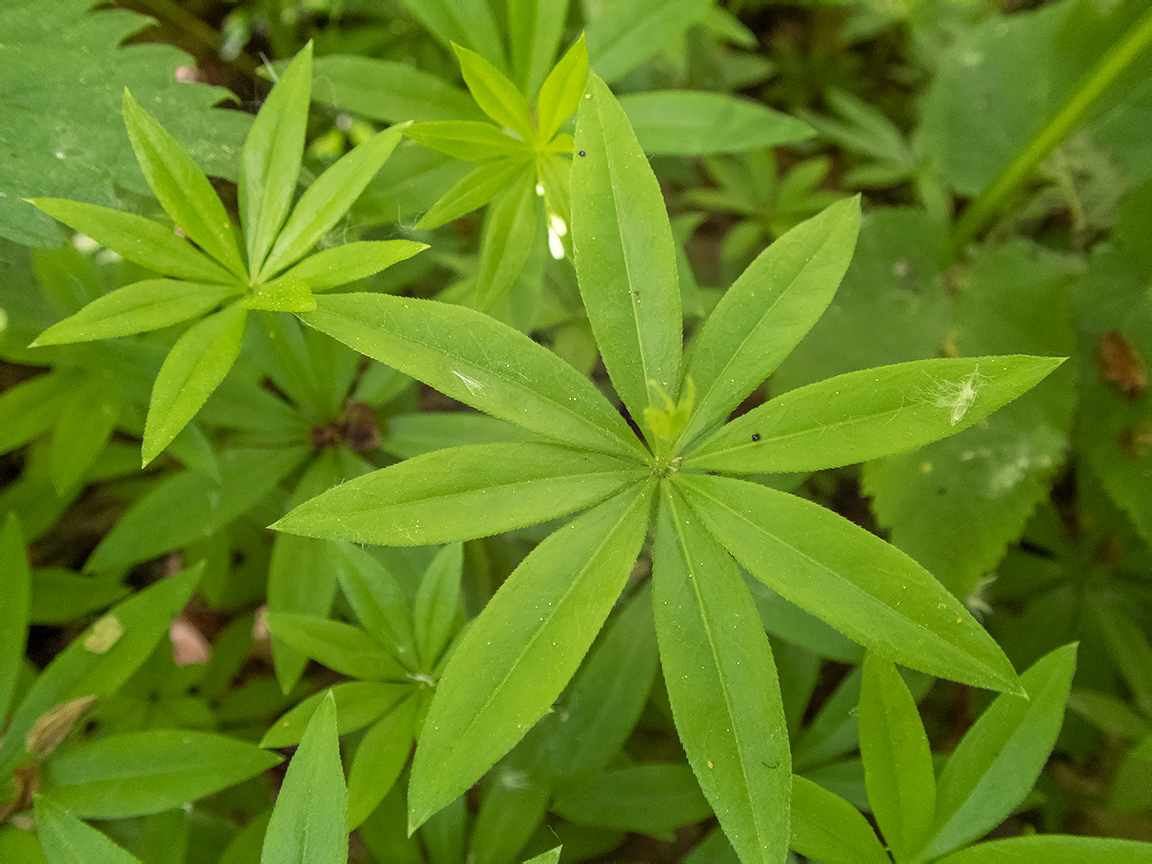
{"x":582,"y":154}
{"x":755,"y":436}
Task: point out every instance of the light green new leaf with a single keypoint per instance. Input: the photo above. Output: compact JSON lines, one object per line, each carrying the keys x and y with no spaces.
{"x":341,"y":647}
{"x":999,"y":759}
{"x":459,"y":494}
{"x":534,"y":31}
{"x":624,"y":253}
{"x":270,"y":163}
{"x":552,"y":856}
{"x":825,"y":827}
{"x":328,"y":199}
{"x":768,"y":310}
{"x":358,"y":703}
{"x":479,"y":361}
{"x":351,"y":262}
{"x":520,"y":652}
{"x":509,"y":234}
{"x":137,"y":239}
{"x":286,"y":294}
{"x":868,"y":590}
{"x":469,"y":140}
{"x":67,"y":840}
{"x":148,"y":772}
{"x":721,"y":682}
{"x":193,"y":368}
{"x":867,"y":414}
{"x":309,"y":821}
{"x":561,"y":91}
{"x":438,"y":605}
{"x":380,"y":757}
{"x":495,"y":94}
{"x":473,"y":190}
{"x":136,"y":308}
{"x":181,"y":187}
{"x":897,"y":759}
{"x":697,"y":123}
{"x":1054,"y":849}
{"x":16,"y":589}
{"x":79,"y":670}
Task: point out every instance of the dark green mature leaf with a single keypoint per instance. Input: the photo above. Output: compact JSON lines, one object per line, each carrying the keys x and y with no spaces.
{"x":721,"y":682}
{"x":378,"y":600}
{"x":152,"y":771}
{"x":358,"y":703}
{"x":341,"y":647}
{"x":767,"y":311}
{"x":652,"y":799}
{"x":65,"y":72}
{"x":461,"y":493}
{"x":181,"y":187}
{"x":462,"y":22}
{"x":517,"y":792}
{"x":479,"y":361}
{"x":193,"y":368}
{"x":534,"y":31}
{"x":697,"y":123}
{"x":627,"y":33}
{"x":137,"y":308}
{"x":380,"y":757}
{"x":270,"y":162}
{"x":83,"y":430}
{"x":520,"y":652}
{"x":897,"y":759}
{"x":825,"y":827}
{"x":67,"y":840}
{"x":867,"y":414}
{"x":999,"y":759}
{"x":387,"y":90}
{"x":865,"y":588}
{"x":624,"y":253}
{"x":1054,"y":849}
{"x":140,"y":240}
{"x":16,"y":589}
{"x":1131,"y":651}
{"x":309,"y":821}
{"x":82,"y":670}
{"x":32,"y":407}
{"x":438,"y":609}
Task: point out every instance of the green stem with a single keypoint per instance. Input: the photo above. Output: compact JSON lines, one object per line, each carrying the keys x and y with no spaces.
{"x":1115,"y":60}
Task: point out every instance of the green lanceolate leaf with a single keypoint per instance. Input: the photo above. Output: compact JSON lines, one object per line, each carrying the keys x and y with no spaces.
{"x":32,"y":407}
{"x":67,"y":840}
{"x":653,"y":799}
{"x":380,"y":757}
{"x":517,"y":656}
{"x":461,"y":493}
{"x":999,"y":759}
{"x":136,"y":308}
{"x":625,"y":257}
{"x":351,"y":262}
{"x":721,"y":682}
{"x":16,"y":588}
{"x":479,"y":361}
{"x":309,"y":821}
{"x":768,"y":311}
{"x":867,"y":414}
{"x":474,"y":190}
{"x":462,"y":22}
{"x":83,"y":430}
{"x":534,"y":31}
{"x":825,"y":827}
{"x":897,"y":760}
{"x":469,"y":140}
{"x":358,"y":703}
{"x":271,"y":159}
{"x":341,"y":647}
{"x":625,"y":34}
{"x":862,"y":586}
{"x":181,"y":187}
{"x":137,"y":239}
{"x":152,"y":771}
{"x":495,"y":94}
{"x":378,"y":600}
{"x":508,"y":237}
{"x":1054,"y":849}
{"x":438,"y":607}
{"x":389,"y":91}
{"x":328,"y":199}
{"x":193,"y":368}
{"x":561,"y":91}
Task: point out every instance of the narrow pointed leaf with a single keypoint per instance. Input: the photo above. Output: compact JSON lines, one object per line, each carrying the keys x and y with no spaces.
{"x":1054,"y":849}
{"x":388,"y":90}
{"x":897,"y":759}
{"x":721,"y":682}
{"x":768,"y":310}
{"x":867,"y":414}
{"x":16,"y":589}
{"x":1000,"y":758}
{"x":625,"y":256}
{"x":358,"y":703}
{"x":193,"y":368}
{"x":459,"y":494}
{"x":270,"y":163}
{"x":328,"y":199}
{"x":652,"y":799}
{"x":438,"y":604}
{"x":378,"y":600}
{"x":137,"y":239}
{"x":561,"y":91}
{"x":495,"y":94}
{"x":479,"y":361}
{"x":535,"y":28}
{"x":181,"y":187}
{"x":136,"y":308}
{"x":351,"y":262}
{"x":865,"y":588}
{"x":469,"y":140}
{"x":340,"y":647}
{"x":67,"y":840}
{"x":825,"y":827}
{"x":509,"y":234}
{"x":462,"y":22}
{"x":517,"y":656}
{"x":473,"y":190}
{"x":380,"y":757}
{"x":309,"y":821}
